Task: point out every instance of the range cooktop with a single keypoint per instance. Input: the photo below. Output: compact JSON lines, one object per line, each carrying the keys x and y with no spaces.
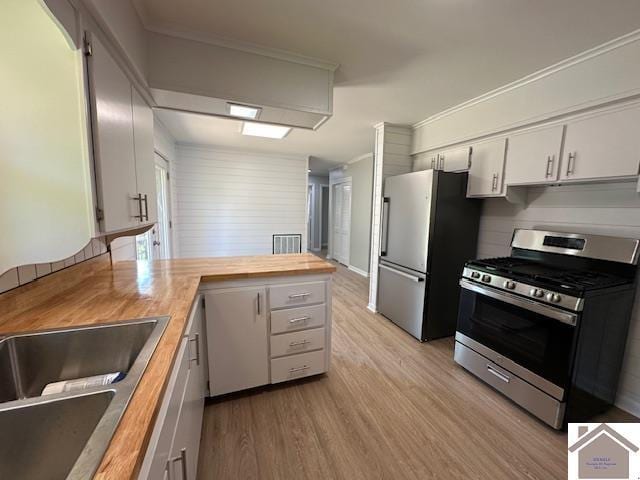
{"x":547,"y":275}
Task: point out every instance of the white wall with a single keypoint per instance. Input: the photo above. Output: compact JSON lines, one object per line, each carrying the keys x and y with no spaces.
{"x":604,"y":74}
{"x":231,"y":203}
{"x":605,"y":209}
{"x":361,"y":173}
{"x":45,"y":179}
{"x":391,"y":157}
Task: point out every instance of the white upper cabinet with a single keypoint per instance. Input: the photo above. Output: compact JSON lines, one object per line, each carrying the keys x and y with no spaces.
{"x":144,"y":156}
{"x":455,"y":159}
{"x":122,"y":131}
{"x":605,"y":145}
{"x":112,"y":127}
{"x":487,"y":168}
{"x":533,"y":157}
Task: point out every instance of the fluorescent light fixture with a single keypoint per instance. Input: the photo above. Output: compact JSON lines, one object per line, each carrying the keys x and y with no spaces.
{"x":243,"y":111}
{"x":264,"y":130}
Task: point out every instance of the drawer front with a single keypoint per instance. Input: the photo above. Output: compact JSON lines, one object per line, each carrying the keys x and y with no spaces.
{"x":294,"y":319}
{"x":297,"y":342}
{"x":282,"y":296}
{"x":543,"y":406}
{"x":297,"y":366}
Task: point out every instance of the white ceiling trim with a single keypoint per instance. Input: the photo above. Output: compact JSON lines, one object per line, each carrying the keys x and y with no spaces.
{"x":550,"y":70}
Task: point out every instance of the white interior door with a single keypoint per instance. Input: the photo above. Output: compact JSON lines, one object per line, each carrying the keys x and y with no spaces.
{"x":156,"y":243}
{"x":341,"y":221}
{"x":162,"y":237}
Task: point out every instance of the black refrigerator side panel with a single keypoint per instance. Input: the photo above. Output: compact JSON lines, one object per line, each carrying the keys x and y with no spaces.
{"x":453,"y":241}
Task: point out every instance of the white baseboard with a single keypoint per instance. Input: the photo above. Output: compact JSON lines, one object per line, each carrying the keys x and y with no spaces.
{"x":371,"y":307}
{"x":359,"y":271}
{"x":628,"y":404}
{"x":314,"y":249}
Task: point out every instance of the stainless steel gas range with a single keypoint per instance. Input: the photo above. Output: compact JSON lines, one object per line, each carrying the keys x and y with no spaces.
{"x":548,"y":325}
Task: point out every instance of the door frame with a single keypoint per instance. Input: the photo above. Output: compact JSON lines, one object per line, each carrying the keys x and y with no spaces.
{"x":311,"y":214}
{"x":320,"y":198}
{"x":332,"y":184}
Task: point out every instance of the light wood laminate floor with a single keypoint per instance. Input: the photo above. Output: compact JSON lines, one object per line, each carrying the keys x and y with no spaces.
{"x":389,"y":408}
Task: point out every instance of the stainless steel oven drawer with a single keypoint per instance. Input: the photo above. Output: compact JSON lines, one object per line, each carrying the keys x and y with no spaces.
{"x":546,"y":408}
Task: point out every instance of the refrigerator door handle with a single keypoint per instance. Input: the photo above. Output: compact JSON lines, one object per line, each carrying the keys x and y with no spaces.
{"x":402,"y":274}
{"x":384,"y":234}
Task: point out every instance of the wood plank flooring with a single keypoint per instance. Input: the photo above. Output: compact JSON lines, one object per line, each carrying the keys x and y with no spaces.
{"x":389,"y":408}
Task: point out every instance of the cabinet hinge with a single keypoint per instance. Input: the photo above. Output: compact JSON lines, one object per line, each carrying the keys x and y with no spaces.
{"x":99,"y":214}
{"x":203,"y":304}
{"x":88,"y":48}
{"x":170,"y":224}
{"x":167,"y":176}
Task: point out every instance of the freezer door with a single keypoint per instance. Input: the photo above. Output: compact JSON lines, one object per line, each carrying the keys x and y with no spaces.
{"x":401,"y":297}
{"x":406,"y":220}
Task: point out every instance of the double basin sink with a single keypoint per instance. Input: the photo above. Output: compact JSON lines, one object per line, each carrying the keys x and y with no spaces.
{"x":65,"y":435}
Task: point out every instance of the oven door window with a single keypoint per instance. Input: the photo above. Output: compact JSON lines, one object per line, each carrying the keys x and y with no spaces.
{"x":536,"y":342}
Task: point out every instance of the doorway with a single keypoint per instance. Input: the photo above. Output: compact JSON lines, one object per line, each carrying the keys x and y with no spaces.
{"x":341,"y":221}
{"x":155,"y":244}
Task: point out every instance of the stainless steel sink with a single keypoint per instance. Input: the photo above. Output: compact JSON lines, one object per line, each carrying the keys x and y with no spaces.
{"x":65,"y":435}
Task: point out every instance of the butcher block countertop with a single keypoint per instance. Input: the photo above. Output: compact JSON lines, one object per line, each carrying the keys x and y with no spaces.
{"x":96,"y":292}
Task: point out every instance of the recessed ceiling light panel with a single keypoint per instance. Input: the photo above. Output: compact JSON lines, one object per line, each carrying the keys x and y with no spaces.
{"x":243,"y":111}
{"x":265,"y":130}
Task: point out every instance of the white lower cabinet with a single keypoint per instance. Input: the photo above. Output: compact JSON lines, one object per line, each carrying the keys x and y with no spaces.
{"x":237,"y":339}
{"x":172,"y":453}
{"x":261,"y":332}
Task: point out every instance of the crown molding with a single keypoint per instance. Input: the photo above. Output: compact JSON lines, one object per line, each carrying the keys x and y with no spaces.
{"x":246,"y":47}
{"x":360,"y":157}
{"x":616,"y":43}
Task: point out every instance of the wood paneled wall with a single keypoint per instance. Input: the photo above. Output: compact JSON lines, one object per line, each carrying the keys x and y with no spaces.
{"x":231,"y":203}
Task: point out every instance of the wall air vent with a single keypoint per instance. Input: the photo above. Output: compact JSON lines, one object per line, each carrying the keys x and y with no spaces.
{"x":287,"y":243}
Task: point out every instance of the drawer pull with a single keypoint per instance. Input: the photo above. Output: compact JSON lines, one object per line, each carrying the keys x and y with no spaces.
{"x":299,"y":295}
{"x":299,"y":344}
{"x":498,"y":374}
{"x":299,"y":319}
{"x":299,"y":369}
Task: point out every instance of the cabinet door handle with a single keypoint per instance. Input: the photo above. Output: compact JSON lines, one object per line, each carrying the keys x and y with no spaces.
{"x":299,"y":319}
{"x":196,"y":339}
{"x":550,"y":161}
{"x":182,"y":458}
{"x":299,"y":295}
{"x":571,"y":163}
{"x":146,"y":208}
{"x":299,"y":369}
{"x":138,"y":198}
{"x":433,"y":163}
{"x":258,"y":301}
{"x":441,"y":162}
{"x":494,"y":182}
{"x":298,"y":344}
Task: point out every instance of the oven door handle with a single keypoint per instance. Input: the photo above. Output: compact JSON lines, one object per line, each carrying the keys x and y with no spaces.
{"x":551,"y":312}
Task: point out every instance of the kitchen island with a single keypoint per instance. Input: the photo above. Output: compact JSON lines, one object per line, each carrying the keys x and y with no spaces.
{"x":97,"y":292}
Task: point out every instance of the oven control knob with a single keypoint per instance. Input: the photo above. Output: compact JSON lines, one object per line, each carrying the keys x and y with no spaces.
{"x":535,"y":292}
{"x":475,"y":275}
{"x":553,"y":297}
{"x":486,"y":278}
{"x":509,"y":284}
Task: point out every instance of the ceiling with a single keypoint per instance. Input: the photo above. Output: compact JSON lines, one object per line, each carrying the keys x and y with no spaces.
{"x":400,"y":61}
